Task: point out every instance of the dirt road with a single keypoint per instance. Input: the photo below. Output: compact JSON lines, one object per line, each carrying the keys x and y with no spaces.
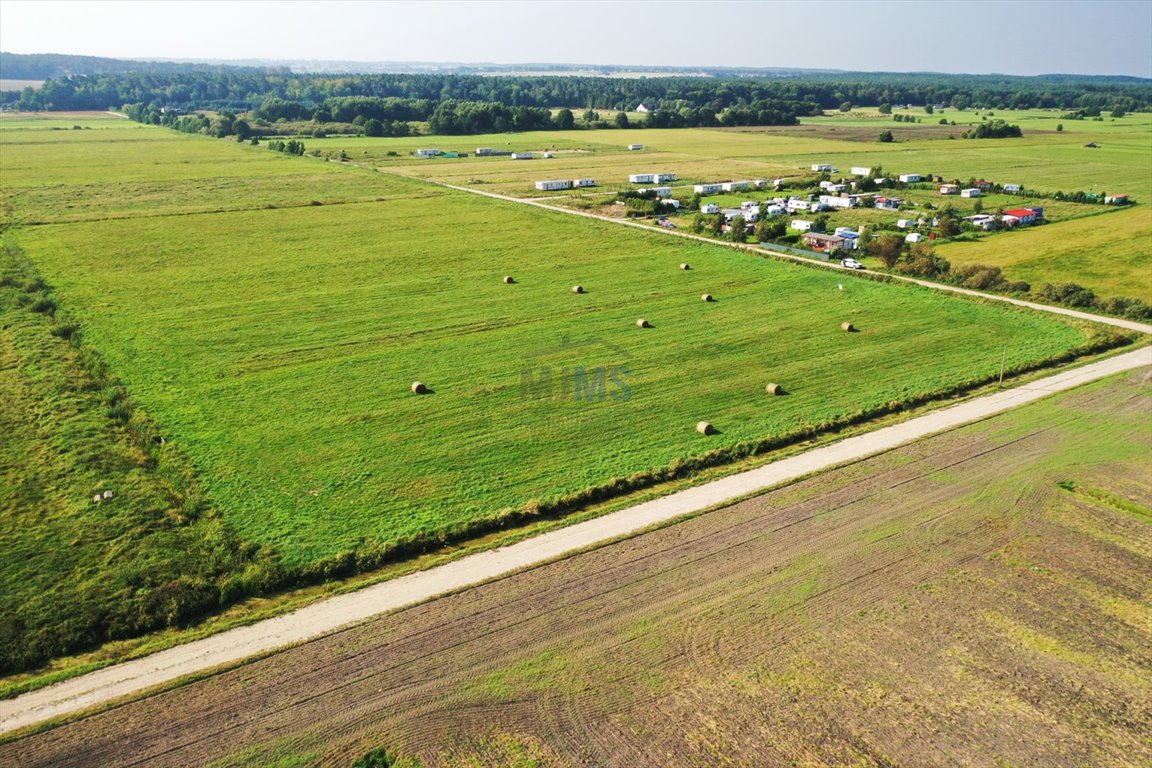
{"x":976,"y":597}
{"x":324,"y":617}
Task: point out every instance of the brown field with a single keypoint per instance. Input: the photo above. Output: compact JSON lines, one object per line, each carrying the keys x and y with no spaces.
{"x":954,"y":602}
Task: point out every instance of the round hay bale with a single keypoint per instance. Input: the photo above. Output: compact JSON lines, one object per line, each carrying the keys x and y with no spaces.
{"x":774,"y":389}
{"x":642,"y":323}
{"x":685,"y":266}
{"x":97,"y":499}
{"x":705,"y":428}
{"x":508,"y":279}
{"x":577,"y":289}
{"x":706,"y":298}
{"x":848,"y":327}
{"x":108,"y":495}
{"x":419,"y":388}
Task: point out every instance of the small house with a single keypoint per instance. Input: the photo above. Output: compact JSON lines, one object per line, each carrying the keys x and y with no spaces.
{"x":635,"y":147}
{"x":523,"y":156}
{"x":483,"y":151}
{"x":1013,"y":188}
{"x":735,"y":186}
{"x":822,"y":168}
{"x":913,"y":237}
{"x":949,"y":189}
{"x":1024,"y":215}
{"x":584,"y":183}
{"x":707,"y":189}
{"x":665,"y":177}
{"x":642,"y":178}
{"x":801,"y":225}
{"x":661,"y":191}
{"x":671,"y":201}
{"x":428,"y":152}
{"x":642,"y":108}
{"x":970,"y":192}
{"x":553,"y":184}
{"x":860,"y":171}
{"x":888,"y":203}
{"x":774,"y":210}
{"x":910,"y":178}
{"x":906,"y":223}
{"x":835,"y":201}
{"x":796,"y":204}
{"x":709,"y":208}
{"x":823,"y":243}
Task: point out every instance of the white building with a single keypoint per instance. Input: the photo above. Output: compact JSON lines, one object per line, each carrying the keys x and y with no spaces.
{"x":642,"y":178}
{"x":973,"y":192}
{"x":553,"y":184}
{"x":861,"y":171}
{"x":671,"y":201}
{"x":709,"y":208}
{"x":835,"y":201}
{"x":796,"y":204}
{"x":707,"y":189}
{"x":913,"y":237}
{"x":584,"y":183}
{"x":735,"y":186}
{"x":1013,"y":188}
{"x":803,"y":225}
{"x":822,"y":167}
{"x":523,"y":156}
{"x":760,"y":183}
{"x":906,"y":223}
{"x":635,"y":147}
{"x":483,"y":151}
{"x":663,"y":177}
{"x":661,"y":191}
{"x":949,"y":189}
{"x":428,"y":152}
{"x":774,"y":210}
{"x":910,"y":178}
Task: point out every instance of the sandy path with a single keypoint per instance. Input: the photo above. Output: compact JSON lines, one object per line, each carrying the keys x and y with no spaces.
{"x":323,"y":617}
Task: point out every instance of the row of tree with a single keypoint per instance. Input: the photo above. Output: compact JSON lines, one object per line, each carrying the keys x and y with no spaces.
{"x":242,"y":89}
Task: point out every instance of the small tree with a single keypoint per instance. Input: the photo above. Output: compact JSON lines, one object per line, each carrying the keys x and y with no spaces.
{"x":885,"y":109}
{"x":887,"y":248}
{"x":928,"y":108}
{"x":738,"y":229}
{"x":886,"y":137}
{"x":1059,"y":127}
{"x":621,"y":120}
{"x":846,"y":106}
{"x":591,"y":116}
{"x":373,"y":127}
{"x":565,"y":119}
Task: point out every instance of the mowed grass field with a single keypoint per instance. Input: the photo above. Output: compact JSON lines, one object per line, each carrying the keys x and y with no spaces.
{"x":1111,"y":255}
{"x":976,"y":598}
{"x":272,"y":342}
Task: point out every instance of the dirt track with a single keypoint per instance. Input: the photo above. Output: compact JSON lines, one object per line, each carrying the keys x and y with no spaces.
{"x":943,"y":603}
{"x":320,"y":618}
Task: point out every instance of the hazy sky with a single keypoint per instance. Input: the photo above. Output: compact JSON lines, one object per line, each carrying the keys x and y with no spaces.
{"x":977,"y":36}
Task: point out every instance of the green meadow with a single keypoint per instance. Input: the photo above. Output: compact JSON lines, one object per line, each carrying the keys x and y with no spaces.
{"x":268,"y":315}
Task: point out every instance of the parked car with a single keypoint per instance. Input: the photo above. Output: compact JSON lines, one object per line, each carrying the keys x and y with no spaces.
{"x":851,"y":264}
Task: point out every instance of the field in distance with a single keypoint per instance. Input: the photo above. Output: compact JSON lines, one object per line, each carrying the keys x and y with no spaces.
{"x":273,"y":341}
{"x":979,"y":597}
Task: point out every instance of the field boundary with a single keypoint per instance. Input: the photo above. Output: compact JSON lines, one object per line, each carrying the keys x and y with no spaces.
{"x":340,"y":612}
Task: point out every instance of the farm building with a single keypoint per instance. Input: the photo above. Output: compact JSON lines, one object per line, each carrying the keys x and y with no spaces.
{"x":428,"y":152}
{"x":819,"y":242}
{"x":663,"y":177}
{"x":584,"y":183}
{"x":635,"y":147}
{"x":735,"y":186}
{"x":1025,"y":215}
{"x":949,"y":189}
{"x":523,"y":156}
{"x":553,"y":184}
{"x":861,"y":171}
{"x":970,"y":192}
{"x":1014,"y":188}
{"x":483,"y":151}
{"x":910,"y":178}
{"x":642,"y":108}
{"x":709,"y":208}
{"x":801,"y":225}
{"x":642,"y":178}
{"x":822,"y":167}
{"x":707,"y":189}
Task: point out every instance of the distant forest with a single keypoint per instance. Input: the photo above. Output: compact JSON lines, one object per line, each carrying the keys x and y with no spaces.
{"x":453,"y":103}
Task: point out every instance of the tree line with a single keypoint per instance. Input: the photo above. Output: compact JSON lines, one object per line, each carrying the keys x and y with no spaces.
{"x":244,"y":89}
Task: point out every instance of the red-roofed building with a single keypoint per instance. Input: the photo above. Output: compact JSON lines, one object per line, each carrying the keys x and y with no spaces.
{"x":1025,"y":215}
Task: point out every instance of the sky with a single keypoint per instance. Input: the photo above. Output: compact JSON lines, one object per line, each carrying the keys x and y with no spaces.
{"x":1029,"y":37}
